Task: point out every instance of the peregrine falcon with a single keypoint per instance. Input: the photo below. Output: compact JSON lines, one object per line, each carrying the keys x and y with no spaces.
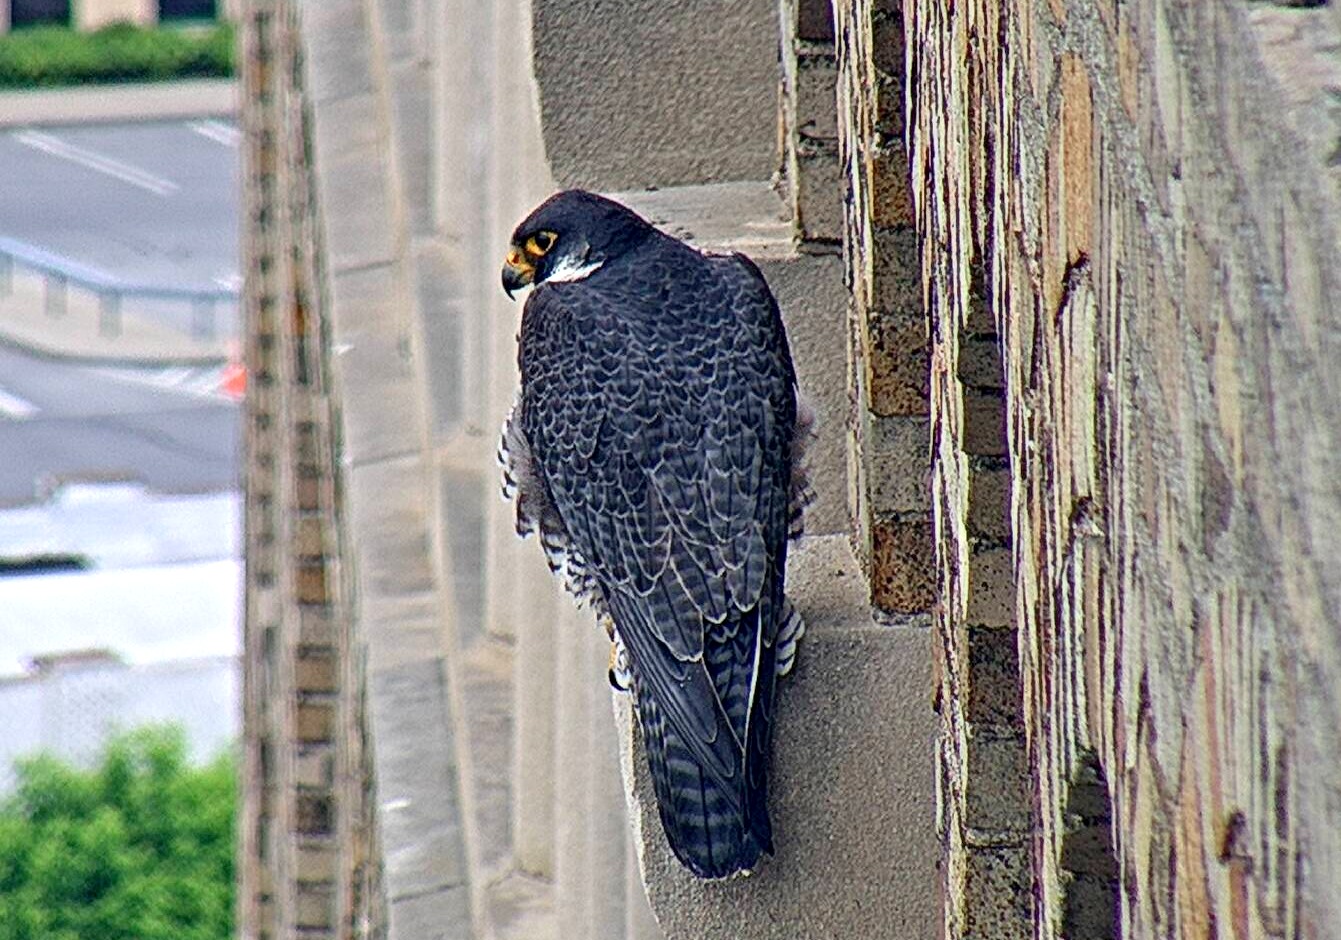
{"x":655,"y":448}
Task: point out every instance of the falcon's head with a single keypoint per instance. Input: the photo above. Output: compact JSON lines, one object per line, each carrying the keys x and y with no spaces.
{"x":569,"y":236}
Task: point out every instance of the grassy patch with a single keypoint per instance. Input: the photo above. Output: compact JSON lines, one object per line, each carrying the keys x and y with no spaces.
{"x":48,"y":56}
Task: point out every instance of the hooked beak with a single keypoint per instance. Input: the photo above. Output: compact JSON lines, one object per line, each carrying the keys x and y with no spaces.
{"x":517,"y":272}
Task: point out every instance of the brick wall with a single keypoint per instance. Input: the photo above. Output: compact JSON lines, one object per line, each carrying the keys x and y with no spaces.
{"x":1106,"y":188}
{"x":308,"y":863}
{"x":889,"y":429}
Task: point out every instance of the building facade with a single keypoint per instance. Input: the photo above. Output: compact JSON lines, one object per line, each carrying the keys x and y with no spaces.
{"x":1070,"y":576}
{"x":92,"y":14}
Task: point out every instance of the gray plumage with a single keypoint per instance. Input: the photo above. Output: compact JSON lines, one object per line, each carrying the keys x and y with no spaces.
{"x":653,"y":449}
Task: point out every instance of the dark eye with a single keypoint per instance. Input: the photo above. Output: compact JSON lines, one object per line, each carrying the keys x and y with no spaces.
{"x":541,"y":242}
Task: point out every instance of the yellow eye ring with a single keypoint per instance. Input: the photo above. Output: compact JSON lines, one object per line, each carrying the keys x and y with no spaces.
{"x":539,"y":243}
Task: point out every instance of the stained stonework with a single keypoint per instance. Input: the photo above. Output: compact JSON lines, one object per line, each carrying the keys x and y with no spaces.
{"x":309,"y":860}
{"x":889,"y":352}
{"x":1163,"y":284}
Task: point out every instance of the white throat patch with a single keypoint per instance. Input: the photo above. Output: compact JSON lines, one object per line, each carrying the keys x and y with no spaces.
{"x":569,"y":270}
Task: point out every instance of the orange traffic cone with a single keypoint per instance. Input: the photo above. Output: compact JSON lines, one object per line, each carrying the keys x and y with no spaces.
{"x":233,"y":381}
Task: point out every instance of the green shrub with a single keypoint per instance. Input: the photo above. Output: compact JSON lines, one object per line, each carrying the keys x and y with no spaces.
{"x":45,"y":56}
{"x":140,"y":848}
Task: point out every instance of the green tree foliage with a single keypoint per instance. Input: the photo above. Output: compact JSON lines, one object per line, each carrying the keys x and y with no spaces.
{"x":121,"y":52}
{"x":140,"y":848}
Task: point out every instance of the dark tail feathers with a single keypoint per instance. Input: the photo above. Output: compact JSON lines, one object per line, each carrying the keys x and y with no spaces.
{"x":713,"y":830}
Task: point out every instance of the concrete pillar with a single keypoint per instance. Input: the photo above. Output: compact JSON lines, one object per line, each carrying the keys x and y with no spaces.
{"x":639,"y":924}
{"x":534,"y":701}
{"x":607,"y":816}
{"x":572,"y":848}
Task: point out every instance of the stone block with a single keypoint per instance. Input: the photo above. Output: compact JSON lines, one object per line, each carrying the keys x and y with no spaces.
{"x":382,"y":401}
{"x":816,"y":96}
{"x":310,"y":584}
{"x":819,"y":194}
{"x":991,"y":600}
{"x":314,"y":813}
{"x":898,"y":455}
{"x":814,"y":20}
{"x":401,"y":629}
{"x":611,"y":122}
{"x":395,"y":544}
{"x":989,"y":503}
{"x":418,"y":789}
{"x":897,"y":275}
{"x":997,"y":786}
{"x":412,"y":113}
{"x":891,"y":188}
{"x":995,"y":693}
{"x":984,"y":423}
{"x":317,"y":861}
{"x":354,"y":185}
{"x":339,"y":53}
{"x":315,"y":721}
{"x":309,"y":536}
{"x":316,"y":672}
{"x":897,"y":363}
{"x":438,"y":915}
{"x":314,"y":767}
{"x":810,"y":293}
{"x":980,"y":365}
{"x":444,"y":319}
{"x":485,"y":675}
{"x":314,"y":907}
{"x":997,"y":894}
{"x":462,"y":521}
{"x":903,"y":565}
{"x":851,"y":785}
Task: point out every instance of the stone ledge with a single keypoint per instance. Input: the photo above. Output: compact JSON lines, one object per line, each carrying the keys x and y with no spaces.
{"x":851,"y":783}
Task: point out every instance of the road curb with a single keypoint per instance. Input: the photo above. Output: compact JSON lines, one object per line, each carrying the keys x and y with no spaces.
{"x":56,"y":354}
{"x":97,"y":104}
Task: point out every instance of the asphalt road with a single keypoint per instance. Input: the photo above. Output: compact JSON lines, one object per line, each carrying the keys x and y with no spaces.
{"x":166,"y":428}
{"x":153,"y":202}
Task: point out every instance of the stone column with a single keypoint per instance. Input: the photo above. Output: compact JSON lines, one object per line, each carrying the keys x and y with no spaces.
{"x":608,"y":818}
{"x":573,"y":850}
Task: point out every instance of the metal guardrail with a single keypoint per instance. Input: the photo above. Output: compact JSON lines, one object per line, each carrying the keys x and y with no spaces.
{"x":203,"y":307}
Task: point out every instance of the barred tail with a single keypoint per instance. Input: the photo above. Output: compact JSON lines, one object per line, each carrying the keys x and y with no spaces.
{"x":714,"y":831}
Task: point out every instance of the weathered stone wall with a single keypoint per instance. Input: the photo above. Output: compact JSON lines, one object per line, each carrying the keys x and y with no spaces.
{"x":309,"y":859}
{"x":1140,"y":193}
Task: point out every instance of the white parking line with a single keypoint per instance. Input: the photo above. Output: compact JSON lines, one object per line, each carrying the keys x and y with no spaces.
{"x":96,"y":161}
{"x":15,"y":408}
{"x":196,"y":381}
{"x":217,"y":131}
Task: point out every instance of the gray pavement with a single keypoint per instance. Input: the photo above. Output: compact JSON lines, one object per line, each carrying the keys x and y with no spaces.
{"x":153,"y":203}
{"x":60,"y":420}
{"x":138,"y":183}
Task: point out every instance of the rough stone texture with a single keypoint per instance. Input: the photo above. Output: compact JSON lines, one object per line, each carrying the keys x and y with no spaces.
{"x":888,"y":431}
{"x":850,"y":776}
{"x":426,"y":139}
{"x":643,"y":92}
{"x":309,"y":859}
{"x":1112,"y":181}
{"x":809,"y":118}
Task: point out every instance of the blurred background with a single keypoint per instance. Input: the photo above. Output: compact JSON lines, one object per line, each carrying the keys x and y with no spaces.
{"x":120,"y":566}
